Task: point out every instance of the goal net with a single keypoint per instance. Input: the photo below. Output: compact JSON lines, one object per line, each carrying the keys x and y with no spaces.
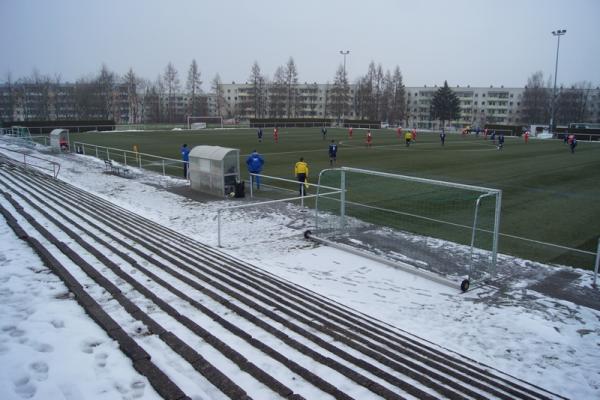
{"x":445,"y":228}
{"x":202,"y":122}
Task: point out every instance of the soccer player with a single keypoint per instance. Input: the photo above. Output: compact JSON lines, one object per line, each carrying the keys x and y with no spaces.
{"x":324,"y":132}
{"x":276,"y":134}
{"x":399,"y":132}
{"x":443,"y":137}
{"x":301,"y":172}
{"x":185,"y":156}
{"x":408,"y":137}
{"x":500,"y":141}
{"x":485,"y":132}
{"x":255,"y":164}
{"x":369,"y":138}
{"x":350,"y":133}
{"x":526,"y":136}
{"x":572,"y":142}
{"x":493,"y":137}
{"x":259,"y":133}
{"x":414,"y":135}
{"x":332,"y":153}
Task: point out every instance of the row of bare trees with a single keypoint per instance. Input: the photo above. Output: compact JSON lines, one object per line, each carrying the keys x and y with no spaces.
{"x":104,"y":95}
{"x":379,"y":96}
{"x":570,"y":103}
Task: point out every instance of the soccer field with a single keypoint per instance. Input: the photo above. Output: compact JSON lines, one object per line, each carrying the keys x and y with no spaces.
{"x":549,"y":195}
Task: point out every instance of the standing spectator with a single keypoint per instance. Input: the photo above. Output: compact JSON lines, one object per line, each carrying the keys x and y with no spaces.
{"x":500,"y":141}
{"x":443,"y":137}
{"x":526,"y":137}
{"x":333,"y":147}
{"x":185,"y":156}
{"x":408,"y":137}
{"x":259,"y":133}
{"x":255,"y":164}
{"x":324,"y":132}
{"x":276,"y":135}
{"x":350,"y":133}
{"x":369,"y":138}
{"x":301,"y":172}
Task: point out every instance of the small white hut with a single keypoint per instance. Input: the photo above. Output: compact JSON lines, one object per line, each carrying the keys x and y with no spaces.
{"x":214,"y":169}
{"x":59,"y":139}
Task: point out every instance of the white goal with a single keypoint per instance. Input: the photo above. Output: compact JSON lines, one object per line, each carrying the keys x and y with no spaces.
{"x":203,"y":122}
{"x":445,"y":228}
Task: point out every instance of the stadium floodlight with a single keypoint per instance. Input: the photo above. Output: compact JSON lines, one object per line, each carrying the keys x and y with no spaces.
{"x":344,"y":53}
{"x":558,"y":33}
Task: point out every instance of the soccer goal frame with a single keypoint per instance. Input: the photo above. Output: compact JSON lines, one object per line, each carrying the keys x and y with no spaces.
{"x":335,"y":220}
{"x":191,"y":119}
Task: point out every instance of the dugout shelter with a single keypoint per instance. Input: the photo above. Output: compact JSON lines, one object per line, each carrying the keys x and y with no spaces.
{"x":214,"y":169}
{"x":59,"y":140}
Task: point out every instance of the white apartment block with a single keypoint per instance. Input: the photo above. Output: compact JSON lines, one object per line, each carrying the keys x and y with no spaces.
{"x":479,"y":105}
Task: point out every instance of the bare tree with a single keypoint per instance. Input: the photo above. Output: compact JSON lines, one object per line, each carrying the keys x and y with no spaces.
{"x":397,"y":105}
{"x":278,"y":93}
{"x":339,"y":95}
{"x":105,"y":91}
{"x":572,"y":104}
{"x":217,"y":88}
{"x":536,"y":99}
{"x":196,"y":105}
{"x":171,"y":82}
{"x":291,"y":82}
{"x":257,"y":93}
{"x":9,"y":101}
{"x":131,"y":81}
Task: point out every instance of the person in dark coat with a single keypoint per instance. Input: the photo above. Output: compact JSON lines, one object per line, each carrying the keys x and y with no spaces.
{"x":185,"y":156}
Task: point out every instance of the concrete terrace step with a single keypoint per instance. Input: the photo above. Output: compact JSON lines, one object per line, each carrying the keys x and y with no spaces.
{"x":284,"y":339}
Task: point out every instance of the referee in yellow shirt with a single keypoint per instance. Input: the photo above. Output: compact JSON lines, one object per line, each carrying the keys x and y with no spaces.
{"x":301,"y":171}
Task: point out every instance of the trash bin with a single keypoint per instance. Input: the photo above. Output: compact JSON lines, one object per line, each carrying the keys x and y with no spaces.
{"x":240,"y":189}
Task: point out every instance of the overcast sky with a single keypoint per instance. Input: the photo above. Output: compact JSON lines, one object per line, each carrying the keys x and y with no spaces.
{"x":466,"y":42}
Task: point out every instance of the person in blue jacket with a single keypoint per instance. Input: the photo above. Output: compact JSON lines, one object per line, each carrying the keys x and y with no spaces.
{"x":185,"y":156}
{"x":255,"y":164}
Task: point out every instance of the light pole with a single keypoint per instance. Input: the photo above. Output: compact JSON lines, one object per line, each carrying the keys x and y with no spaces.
{"x":344,"y":53}
{"x":558,"y":33}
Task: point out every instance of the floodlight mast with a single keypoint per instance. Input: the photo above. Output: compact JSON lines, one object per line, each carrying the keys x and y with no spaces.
{"x":558,"y":33}
{"x":345,"y":53}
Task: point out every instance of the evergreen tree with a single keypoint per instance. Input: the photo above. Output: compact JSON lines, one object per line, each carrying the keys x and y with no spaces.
{"x":445,"y":105}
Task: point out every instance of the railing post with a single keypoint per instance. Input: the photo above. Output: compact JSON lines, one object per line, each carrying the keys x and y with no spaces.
{"x":125,"y":157}
{"x":163,"y":167}
{"x":219,"y":227}
{"x":597,"y":263}
{"x":343,"y":200}
{"x":251,"y":184}
{"x":97,"y":155}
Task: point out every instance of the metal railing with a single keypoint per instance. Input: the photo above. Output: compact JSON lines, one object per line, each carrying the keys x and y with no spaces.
{"x":262,"y":203}
{"x":27,"y":161}
{"x":150,"y":162}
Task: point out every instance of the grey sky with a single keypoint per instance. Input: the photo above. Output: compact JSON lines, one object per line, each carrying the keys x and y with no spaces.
{"x":475,"y":42}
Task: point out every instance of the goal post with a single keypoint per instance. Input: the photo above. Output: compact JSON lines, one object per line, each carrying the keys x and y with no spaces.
{"x":196,"y":122}
{"x":443,"y":227}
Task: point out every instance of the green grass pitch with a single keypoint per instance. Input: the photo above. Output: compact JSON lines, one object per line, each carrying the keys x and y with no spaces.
{"x":548,"y":194}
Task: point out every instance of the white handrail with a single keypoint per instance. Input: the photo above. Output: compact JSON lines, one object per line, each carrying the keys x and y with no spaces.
{"x":55,"y":166}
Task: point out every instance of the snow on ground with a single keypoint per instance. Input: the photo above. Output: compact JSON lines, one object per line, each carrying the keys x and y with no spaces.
{"x":551,"y":343}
